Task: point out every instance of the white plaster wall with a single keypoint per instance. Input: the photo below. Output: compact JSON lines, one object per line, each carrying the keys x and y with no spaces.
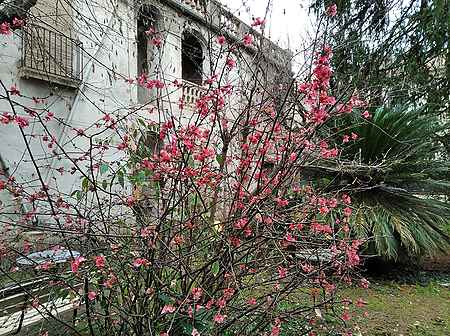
{"x":107,"y":30}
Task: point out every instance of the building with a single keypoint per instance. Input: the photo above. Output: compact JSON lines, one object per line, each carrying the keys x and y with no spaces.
{"x":76,"y":62}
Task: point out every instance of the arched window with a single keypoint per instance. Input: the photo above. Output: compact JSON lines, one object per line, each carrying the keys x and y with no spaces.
{"x":191,"y":58}
{"x":146,"y":20}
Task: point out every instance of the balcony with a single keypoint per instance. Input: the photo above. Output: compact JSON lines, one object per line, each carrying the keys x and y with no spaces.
{"x":197,"y":8}
{"x":195,"y":4}
{"x":191,"y":93}
{"x":51,"y":56}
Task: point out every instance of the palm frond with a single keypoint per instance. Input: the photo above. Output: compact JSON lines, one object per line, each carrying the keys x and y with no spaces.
{"x":396,"y":171}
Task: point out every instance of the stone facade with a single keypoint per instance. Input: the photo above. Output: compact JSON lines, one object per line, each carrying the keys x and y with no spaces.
{"x":79,"y":57}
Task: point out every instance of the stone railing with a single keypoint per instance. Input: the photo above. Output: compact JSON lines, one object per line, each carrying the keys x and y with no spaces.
{"x":231,"y":24}
{"x":221,"y":20}
{"x":191,"y":93}
{"x":196,"y":6}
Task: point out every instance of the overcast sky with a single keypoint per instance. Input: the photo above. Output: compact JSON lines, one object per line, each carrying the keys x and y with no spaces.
{"x":288,"y":20}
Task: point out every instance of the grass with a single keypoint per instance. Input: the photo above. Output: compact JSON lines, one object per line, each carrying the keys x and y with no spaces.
{"x":404,"y":309}
{"x":416,"y":305}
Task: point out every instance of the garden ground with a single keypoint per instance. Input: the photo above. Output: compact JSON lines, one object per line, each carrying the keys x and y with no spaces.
{"x":406,"y":308}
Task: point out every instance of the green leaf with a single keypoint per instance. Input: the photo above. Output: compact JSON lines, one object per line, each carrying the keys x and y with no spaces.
{"x":215,"y":268}
{"x":220,"y":159}
{"x":104,"y":168}
{"x":164,"y":298}
{"x":142,"y":122}
{"x":85,"y":184}
{"x":121,"y":178}
{"x":77,"y":194}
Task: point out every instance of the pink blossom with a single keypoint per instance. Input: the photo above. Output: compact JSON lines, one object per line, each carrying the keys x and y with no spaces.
{"x":122,"y":146}
{"x":354,"y":136}
{"x":221,"y":303}
{"x":147,"y":231}
{"x":197,"y":293}
{"x":14,"y":90}
{"x":365,"y":114}
{"x":35,"y":303}
{"x":324,"y":210}
{"x":248,"y":39}
{"x":140,"y":262}
{"x":131,"y":200}
{"x":99,"y":261}
{"x":332,"y":203}
{"x":282,"y":271}
{"x":347,"y":212}
{"x":17,"y":23}
{"x":360,"y":303}
{"x":258,"y":22}
{"x":79,"y":131}
{"x":212,"y":79}
{"x":75,"y":264}
{"x":307,"y":268}
{"x":346,"y":199}
{"x":5,"y":28}
{"x":150,"y":31}
{"x":228,"y":293}
{"x":276,"y":328}
{"x":156,"y":41}
{"x":209,"y":304}
{"x":240,"y":223}
{"x":251,"y":301}
{"x":195,"y":332}
{"x":21,"y":121}
{"x":49,"y":116}
{"x":345,"y":139}
{"x":281,"y":202}
{"x":230,"y":63}
{"x":364,"y":283}
{"x":219,"y":318}
{"x":44,"y":266}
{"x":168,"y":309}
{"x":165,"y":156}
{"x":248,"y":231}
{"x":112,"y":279}
{"x":332,"y":10}
{"x":293,"y":157}
{"x":221,"y":40}
{"x":6,"y":118}
{"x":92,"y":295}
{"x":345,"y":315}
{"x":235,"y":241}
{"x":353,"y":257}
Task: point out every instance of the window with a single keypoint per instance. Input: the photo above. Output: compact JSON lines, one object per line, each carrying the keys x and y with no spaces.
{"x":191,"y":58}
{"x":150,"y":143}
{"x":147,"y":21}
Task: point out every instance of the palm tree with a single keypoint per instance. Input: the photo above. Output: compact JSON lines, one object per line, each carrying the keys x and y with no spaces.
{"x":399,"y":180}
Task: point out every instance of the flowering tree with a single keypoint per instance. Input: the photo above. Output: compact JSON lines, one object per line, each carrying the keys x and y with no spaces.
{"x":205,"y":227}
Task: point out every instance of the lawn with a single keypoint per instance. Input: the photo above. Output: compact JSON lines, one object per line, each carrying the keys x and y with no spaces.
{"x":405,"y":309}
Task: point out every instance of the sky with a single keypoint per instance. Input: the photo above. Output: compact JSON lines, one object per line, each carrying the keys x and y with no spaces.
{"x":288,"y":21}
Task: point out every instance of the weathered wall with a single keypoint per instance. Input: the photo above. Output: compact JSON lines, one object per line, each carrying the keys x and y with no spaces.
{"x":107,"y":30}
